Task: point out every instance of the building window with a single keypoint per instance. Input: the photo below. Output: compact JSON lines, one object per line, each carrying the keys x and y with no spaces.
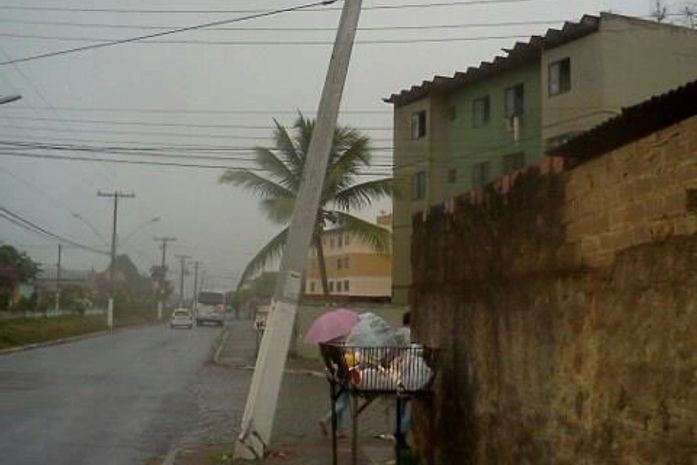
{"x":452,"y":113}
{"x":481,"y":173}
{"x":312,"y":286}
{"x":560,"y":77}
{"x":340,"y":241}
{"x":418,"y":125}
{"x":514,"y":101}
{"x":331,"y":286}
{"x":418,"y":186}
{"x":347,"y":238}
{"x":346,"y":286}
{"x":481,"y":111}
{"x":452,"y":175}
{"x":347,"y":263}
{"x":339,"y":263}
{"x":513,"y":162}
{"x":331,"y":243}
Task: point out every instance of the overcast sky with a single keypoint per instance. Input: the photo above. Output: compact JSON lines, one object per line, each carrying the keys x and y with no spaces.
{"x":77,"y":99}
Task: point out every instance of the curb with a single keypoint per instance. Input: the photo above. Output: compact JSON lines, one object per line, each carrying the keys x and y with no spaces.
{"x":67,"y":340}
{"x":221,"y":344}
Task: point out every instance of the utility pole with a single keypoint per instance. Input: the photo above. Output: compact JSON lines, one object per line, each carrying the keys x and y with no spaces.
{"x":58,"y":279}
{"x":257,"y":421}
{"x":182,"y":264}
{"x":163,"y":275}
{"x":110,"y":306}
{"x":195,"y":299}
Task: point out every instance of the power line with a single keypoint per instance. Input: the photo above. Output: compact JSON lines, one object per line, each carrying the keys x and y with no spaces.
{"x":170,"y":32}
{"x":153,"y":133}
{"x":197,"y":112}
{"x":289,"y":29}
{"x":306,"y":8}
{"x":106,"y":41}
{"x":150,"y":163}
{"x":148,"y":153}
{"x":180,"y":125}
{"x":28,"y":225}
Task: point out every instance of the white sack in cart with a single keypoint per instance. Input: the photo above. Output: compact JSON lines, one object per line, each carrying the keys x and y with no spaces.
{"x":373,"y":379}
{"x":371,"y":331}
{"x":415,"y":373}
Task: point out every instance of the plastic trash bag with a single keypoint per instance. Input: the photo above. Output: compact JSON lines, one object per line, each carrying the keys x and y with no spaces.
{"x":414,"y":373}
{"x":371,"y":331}
{"x":374,"y":379}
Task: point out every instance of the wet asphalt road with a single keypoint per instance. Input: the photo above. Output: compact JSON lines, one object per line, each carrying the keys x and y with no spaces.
{"x":114,"y":400}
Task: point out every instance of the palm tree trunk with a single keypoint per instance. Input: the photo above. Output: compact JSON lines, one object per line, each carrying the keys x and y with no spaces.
{"x":320,"y":260}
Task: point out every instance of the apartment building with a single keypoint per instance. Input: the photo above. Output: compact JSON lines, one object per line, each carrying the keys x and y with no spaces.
{"x":353,"y":267}
{"x":453,"y":134}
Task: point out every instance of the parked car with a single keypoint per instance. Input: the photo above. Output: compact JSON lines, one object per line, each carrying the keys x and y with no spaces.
{"x":181,"y":318}
{"x":210,"y":307}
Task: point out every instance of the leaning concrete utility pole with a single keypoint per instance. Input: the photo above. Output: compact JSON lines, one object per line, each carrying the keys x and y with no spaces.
{"x":163,"y":275}
{"x":197,"y":264}
{"x":257,"y":421}
{"x":110,"y":306}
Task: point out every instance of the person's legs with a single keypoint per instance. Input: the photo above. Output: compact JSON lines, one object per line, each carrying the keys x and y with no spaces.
{"x":340,"y":406}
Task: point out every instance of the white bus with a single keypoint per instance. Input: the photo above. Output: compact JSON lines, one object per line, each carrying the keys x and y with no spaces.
{"x":210,"y":307}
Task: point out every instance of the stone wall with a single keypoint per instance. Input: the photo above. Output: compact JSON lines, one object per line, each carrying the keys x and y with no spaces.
{"x":565,"y":308}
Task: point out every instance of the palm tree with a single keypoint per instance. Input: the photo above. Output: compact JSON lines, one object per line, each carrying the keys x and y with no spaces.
{"x":282,"y":168}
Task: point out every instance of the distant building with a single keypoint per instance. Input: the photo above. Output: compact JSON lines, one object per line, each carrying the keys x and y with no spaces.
{"x":453,"y":134}
{"x":354,"y":268}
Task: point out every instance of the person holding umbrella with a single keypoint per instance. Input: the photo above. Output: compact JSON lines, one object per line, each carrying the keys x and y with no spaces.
{"x":333,"y":327}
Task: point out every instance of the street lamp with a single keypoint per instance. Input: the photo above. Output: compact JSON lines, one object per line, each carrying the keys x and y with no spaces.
{"x":138,"y":228}
{"x":92,"y":228}
{"x":9,"y":98}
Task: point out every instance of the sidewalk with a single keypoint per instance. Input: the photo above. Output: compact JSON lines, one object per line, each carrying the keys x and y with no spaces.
{"x":304,"y":398}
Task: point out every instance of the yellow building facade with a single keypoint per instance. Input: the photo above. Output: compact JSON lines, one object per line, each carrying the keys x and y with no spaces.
{"x":354,"y":268}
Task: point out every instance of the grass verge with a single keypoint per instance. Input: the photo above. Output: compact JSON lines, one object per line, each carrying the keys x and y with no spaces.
{"x":23,"y":331}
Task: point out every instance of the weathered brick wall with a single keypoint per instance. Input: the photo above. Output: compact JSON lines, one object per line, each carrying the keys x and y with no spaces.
{"x":565,"y":311}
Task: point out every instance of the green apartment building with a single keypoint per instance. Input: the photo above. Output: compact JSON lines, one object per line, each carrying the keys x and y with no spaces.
{"x":452,"y":134}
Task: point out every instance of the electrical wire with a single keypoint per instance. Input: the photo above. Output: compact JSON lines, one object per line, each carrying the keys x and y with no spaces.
{"x":152,"y":163}
{"x":311,"y":7}
{"x":287,"y":29}
{"x":170,"y":32}
{"x":265,"y":43}
{"x":28,"y":225}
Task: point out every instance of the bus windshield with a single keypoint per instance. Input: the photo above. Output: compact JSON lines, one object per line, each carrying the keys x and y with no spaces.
{"x":211,"y":298}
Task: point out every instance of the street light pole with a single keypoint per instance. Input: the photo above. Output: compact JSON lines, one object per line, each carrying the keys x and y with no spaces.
{"x":163,"y":271}
{"x":58,"y":279}
{"x":182,"y":262}
{"x":257,"y":421}
{"x":110,"y":306}
{"x":195,"y":299}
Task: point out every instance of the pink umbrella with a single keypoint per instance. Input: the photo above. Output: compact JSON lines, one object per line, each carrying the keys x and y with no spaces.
{"x":332,"y":325}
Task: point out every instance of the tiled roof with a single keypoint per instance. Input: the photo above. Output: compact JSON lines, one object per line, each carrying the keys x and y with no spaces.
{"x":634,"y":123}
{"x":521,"y":52}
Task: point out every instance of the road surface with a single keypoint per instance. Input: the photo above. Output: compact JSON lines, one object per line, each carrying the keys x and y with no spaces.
{"x":110,"y":400}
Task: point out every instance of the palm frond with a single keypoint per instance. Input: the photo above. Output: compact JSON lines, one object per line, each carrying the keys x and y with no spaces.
{"x":304,"y":128}
{"x":363,"y":195}
{"x":270,"y":252}
{"x":279,"y":209}
{"x":376,"y":236}
{"x":261,"y":186}
{"x":284,"y":143}
{"x":267,"y":159}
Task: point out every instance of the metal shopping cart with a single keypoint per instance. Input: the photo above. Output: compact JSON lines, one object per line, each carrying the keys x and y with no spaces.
{"x":370,"y":372}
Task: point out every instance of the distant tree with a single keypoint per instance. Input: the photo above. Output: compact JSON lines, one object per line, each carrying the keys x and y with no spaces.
{"x":660,"y":11}
{"x":15,"y":267}
{"x":283,"y":167}
{"x":688,"y":11}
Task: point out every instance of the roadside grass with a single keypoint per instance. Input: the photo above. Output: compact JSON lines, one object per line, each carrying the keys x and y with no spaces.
{"x":23,"y":331}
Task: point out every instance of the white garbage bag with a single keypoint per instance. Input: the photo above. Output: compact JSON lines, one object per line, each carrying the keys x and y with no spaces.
{"x":374,"y":379}
{"x":371,"y":331}
{"x":413,"y":371}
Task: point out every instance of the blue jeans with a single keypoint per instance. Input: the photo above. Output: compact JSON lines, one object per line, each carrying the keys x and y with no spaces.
{"x":341,"y":405}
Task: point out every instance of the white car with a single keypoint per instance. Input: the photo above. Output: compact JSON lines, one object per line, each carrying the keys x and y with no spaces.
{"x":181,"y":318}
